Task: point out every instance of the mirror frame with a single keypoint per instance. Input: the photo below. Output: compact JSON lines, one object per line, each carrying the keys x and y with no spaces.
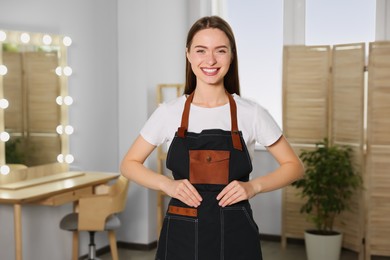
{"x":60,"y":41}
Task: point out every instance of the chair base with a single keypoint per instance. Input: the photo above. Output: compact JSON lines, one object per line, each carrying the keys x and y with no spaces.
{"x":92,"y":247}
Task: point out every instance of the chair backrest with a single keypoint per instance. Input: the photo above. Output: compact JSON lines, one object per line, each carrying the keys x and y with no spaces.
{"x":94,"y":210}
{"x":118,"y":192}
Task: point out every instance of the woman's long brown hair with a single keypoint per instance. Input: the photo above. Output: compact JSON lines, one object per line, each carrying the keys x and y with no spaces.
{"x":231,"y":80}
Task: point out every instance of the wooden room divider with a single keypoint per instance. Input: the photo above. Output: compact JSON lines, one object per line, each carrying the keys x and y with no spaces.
{"x":325,"y":94}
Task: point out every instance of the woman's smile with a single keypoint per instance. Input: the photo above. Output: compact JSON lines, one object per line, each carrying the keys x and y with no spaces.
{"x":210,"y":71}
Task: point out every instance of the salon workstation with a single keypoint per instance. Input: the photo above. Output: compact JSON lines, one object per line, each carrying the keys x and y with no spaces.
{"x":78,"y":80}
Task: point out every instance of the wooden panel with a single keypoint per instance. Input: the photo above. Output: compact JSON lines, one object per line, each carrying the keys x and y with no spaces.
{"x":305,"y":93}
{"x":347,"y":128}
{"x":378,"y":151}
{"x":378,"y":206}
{"x":379,"y":94}
{"x":347,"y":94}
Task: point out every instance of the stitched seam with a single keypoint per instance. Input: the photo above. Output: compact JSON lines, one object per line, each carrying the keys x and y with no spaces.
{"x":249,"y":219}
{"x":244,"y":210}
{"x":182,"y":218}
{"x":196,"y":239}
{"x":222,"y":233}
{"x":166,"y":238}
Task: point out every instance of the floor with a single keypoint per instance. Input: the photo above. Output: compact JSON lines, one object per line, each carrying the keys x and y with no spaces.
{"x":271,"y":251}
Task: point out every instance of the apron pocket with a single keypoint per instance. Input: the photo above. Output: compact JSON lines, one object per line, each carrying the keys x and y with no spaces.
{"x":178,"y":239}
{"x":240,"y":235}
{"x":209,"y":167}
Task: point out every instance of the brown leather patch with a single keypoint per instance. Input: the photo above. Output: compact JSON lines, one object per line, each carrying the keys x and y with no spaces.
{"x":190,"y":212}
{"x":209,"y":166}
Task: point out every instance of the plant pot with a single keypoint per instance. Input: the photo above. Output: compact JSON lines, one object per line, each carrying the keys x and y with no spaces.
{"x":323,"y":247}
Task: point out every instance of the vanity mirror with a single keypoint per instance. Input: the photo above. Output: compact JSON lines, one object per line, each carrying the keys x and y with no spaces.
{"x":34,"y":99}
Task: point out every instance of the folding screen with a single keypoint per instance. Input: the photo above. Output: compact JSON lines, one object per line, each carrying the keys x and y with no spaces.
{"x":323,"y":96}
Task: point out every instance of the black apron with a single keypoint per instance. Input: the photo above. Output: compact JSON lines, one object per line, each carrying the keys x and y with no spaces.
{"x":209,"y":160}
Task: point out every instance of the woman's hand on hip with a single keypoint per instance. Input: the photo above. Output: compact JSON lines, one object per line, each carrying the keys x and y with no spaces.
{"x":184,"y":191}
{"x":234,"y":192}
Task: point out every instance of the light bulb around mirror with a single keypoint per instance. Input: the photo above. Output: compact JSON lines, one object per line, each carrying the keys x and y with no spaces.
{"x":69,"y":158}
{"x":59,"y":71}
{"x":59,"y":100}
{"x":67,"y":71}
{"x":4,"y":169}
{"x":46,"y":39}
{"x":69,"y":129}
{"x":60,"y":129}
{"x":4,"y":103}
{"x":3,"y":36}
{"x":67,"y":41}
{"x":4,"y":136}
{"x":25,"y":38}
{"x":3,"y":70}
{"x":68,"y":100}
{"x":60,"y":158}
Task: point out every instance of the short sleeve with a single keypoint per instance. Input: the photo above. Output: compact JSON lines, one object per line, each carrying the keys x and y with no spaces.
{"x":153,"y":130}
{"x":267,"y":131}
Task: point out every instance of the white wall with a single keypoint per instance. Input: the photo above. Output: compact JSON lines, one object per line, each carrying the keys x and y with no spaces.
{"x":151,"y":37}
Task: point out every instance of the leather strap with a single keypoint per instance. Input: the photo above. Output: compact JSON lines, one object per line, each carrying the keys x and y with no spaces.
{"x":181,"y":132}
{"x":190,"y":212}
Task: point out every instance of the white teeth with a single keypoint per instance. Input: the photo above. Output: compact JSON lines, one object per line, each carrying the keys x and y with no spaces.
{"x":210,"y":70}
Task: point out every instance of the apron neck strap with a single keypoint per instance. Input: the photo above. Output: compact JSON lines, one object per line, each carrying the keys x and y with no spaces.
{"x":181,"y":132}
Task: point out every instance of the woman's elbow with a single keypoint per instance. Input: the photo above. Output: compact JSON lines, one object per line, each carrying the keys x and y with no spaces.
{"x":300,"y":172}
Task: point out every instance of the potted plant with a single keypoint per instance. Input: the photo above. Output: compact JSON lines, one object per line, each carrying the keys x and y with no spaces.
{"x":330,"y":181}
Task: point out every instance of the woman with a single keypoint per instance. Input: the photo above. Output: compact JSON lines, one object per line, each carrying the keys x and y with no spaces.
{"x":211,"y":132}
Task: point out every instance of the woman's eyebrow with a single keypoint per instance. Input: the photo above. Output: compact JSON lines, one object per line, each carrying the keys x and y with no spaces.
{"x":205,"y":47}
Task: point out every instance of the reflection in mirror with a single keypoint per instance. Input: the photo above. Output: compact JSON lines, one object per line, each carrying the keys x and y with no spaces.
{"x":34,"y":126}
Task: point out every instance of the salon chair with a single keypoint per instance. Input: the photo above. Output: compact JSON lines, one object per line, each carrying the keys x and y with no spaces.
{"x":98,"y":213}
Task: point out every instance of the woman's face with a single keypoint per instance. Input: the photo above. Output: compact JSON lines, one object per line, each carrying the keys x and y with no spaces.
{"x":210,"y":56}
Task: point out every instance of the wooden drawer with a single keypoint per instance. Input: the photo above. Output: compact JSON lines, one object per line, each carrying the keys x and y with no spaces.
{"x":67,"y":197}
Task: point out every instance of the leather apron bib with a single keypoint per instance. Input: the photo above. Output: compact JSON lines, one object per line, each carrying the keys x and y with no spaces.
{"x":209,"y":160}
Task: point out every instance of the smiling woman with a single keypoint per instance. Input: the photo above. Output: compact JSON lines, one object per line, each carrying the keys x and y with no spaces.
{"x":33,"y":86}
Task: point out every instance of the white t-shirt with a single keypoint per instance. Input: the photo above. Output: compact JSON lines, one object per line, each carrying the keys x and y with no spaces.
{"x":255,"y":123}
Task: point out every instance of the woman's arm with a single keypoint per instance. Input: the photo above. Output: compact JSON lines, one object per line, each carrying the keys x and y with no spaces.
{"x":290,"y":169}
{"x":132,"y":167}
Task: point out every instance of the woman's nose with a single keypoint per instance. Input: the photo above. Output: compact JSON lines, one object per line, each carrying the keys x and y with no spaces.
{"x":211,"y":59}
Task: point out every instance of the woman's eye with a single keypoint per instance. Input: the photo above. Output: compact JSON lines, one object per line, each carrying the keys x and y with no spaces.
{"x":200,"y":51}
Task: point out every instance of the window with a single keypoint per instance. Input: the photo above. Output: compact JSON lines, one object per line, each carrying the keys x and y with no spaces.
{"x":258,"y":28}
{"x":333,"y":22}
